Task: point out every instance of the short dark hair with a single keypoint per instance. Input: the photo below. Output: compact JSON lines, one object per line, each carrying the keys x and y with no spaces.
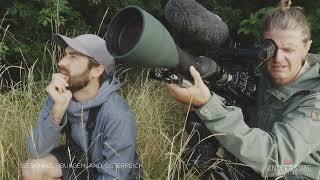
{"x":93,"y":63}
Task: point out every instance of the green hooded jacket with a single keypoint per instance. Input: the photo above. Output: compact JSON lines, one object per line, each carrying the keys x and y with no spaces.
{"x":285,"y":136}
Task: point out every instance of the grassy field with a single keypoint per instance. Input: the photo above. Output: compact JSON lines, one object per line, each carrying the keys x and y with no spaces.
{"x":160,"y":124}
{"x":161,"y":120}
{"x":161,"y":137}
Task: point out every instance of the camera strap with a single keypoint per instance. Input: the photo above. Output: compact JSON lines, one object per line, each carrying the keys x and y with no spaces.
{"x":90,"y":125}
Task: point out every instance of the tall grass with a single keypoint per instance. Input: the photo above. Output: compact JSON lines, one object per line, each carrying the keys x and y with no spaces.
{"x":18,"y":110}
{"x":161,"y":139}
{"x":160,"y":118}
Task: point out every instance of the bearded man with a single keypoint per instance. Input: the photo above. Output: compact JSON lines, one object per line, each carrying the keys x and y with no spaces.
{"x":83,"y":102}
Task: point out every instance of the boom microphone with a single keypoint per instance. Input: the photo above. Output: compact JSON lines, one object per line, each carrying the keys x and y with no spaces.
{"x":190,"y":17}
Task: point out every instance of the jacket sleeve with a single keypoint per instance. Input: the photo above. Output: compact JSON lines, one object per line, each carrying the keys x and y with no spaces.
{"x":119,"y":140}
{"x":292,"y":139}
{"x":44,"y":137}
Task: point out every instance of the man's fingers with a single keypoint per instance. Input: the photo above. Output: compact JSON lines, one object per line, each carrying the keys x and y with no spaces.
{"x":169,"y":88}
{"x":69,"y":93}
{"x":196,"y":76}
{"x":52,"y":91}
{"x":61,"y":89}
{"x":174,"y":89}
{"x":62,"y":79}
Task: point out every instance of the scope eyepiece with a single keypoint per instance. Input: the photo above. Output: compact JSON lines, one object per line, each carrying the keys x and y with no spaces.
{"x":266,"y":49}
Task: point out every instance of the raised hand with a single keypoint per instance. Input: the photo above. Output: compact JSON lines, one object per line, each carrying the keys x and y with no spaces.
{"x":61,"y":97}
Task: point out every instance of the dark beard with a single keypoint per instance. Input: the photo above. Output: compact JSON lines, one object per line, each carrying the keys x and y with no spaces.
{"x":78,"y":82}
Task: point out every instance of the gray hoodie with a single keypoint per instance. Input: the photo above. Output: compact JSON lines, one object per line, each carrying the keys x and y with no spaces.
{"x":113,"y":139}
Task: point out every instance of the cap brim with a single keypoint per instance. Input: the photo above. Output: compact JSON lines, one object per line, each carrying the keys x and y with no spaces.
{"x":64,"y":42}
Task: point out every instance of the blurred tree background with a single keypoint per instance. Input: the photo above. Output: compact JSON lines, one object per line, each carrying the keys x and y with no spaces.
{"x":26,"y":27}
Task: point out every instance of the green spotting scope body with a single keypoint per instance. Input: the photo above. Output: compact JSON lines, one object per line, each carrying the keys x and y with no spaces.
{"x":136,"y":37}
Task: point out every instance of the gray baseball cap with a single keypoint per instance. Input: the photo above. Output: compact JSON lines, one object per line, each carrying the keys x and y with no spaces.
{"x":90,"y":45}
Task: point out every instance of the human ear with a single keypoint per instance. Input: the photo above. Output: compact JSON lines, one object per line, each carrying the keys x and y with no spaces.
{"x":97,"y":71}
{"x":307,"y":46}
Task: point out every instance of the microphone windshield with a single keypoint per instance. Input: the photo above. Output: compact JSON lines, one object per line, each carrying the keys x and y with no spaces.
{"x":190,"y":17}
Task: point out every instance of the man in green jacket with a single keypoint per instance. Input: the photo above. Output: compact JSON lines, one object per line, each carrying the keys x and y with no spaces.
{"x":285,"y":138}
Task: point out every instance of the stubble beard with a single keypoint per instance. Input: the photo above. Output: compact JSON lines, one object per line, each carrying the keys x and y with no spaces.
{"x":78,"y":82}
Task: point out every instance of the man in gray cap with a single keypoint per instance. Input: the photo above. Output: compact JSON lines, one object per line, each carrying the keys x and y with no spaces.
{"x":83,"y":101}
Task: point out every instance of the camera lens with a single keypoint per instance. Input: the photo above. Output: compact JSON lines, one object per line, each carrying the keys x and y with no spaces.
{"x":124,"y":32}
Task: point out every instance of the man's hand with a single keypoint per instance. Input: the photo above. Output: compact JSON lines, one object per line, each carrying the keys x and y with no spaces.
{"x":60,"y":96}
{"x":198,"y":94}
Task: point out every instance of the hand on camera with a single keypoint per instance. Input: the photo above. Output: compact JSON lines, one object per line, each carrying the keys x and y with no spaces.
{"x":198,"y":94}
